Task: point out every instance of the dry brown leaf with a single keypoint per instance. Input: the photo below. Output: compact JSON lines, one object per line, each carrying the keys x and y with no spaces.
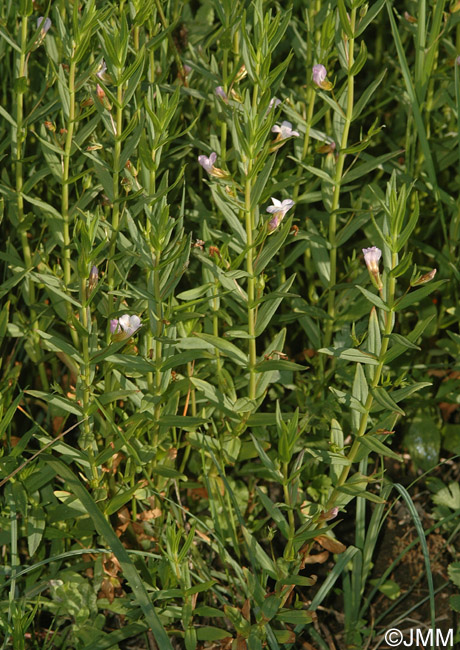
{"x":241,"y":643}
{"x":246,"y":609}
{"x":146,"y":515}
{"x":203,"y":536}
{"x":330,"y":544}
{"x":317,"y":558}
{"x":197,"y":493}
{"x":124,"y":518}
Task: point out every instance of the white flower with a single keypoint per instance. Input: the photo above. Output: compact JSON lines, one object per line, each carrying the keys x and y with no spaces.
{"x":102,"y":70}
{"x":372,"y":257}
{"x":128,"y":324}
{"x":278,"y":209}
{"x":285,"y":130}
{"x":319,"y":74}
{"x":208,"y":163}
{"x":274,"y":102}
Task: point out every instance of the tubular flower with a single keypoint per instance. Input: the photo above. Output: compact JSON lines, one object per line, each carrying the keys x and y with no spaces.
{"x":208,"y":165}
{"x":220,"y":92}
{"x":93,"y":278}
{"x":274,"y":102}
{"x":284,"y":131}
{"x":372,"y":257}
{"x":278,"y":209}
{"x":319,"y":74}
{"x":102,"y":71}
{"x":43,"y":24}
{"x":124,"y":327}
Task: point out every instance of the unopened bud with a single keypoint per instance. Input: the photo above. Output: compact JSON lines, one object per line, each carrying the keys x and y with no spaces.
{"x":102,"y":97}
{"x":424,"y":278}
{"x":93,"y":278}
{"x":242,"y":72}
{"x":330,"y":514}
{"x":409,"y":18}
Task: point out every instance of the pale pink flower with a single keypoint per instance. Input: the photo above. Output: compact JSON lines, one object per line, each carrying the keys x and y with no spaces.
{"x":319,"y":74}
{"x":208,"y":163}
{"x":372,"y":257}
{"x":125,"y":326}
{"x":44,"y":23}
{"x":220,"y":92}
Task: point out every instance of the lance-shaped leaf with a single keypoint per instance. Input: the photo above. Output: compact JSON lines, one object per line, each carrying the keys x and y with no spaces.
{"x":351,"y":354}
{"x":269,"y":307}
{"x":230,"y":349}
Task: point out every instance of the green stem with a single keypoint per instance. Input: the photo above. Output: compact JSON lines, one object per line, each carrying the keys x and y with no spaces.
{"x":215,"y":325}
{"x":369,"y":401}
{"x":288,"y":554}
{"x":172,"y":45}
{"x":251,"y":284}
{"x":18,"y":142}
{"x":118,"y":128}
{"x":158,"y":344}
{"x":337,"y":186}
{"x":311,"y":95}
{"x":85,"y":319}
{"x":65,"y":195}
{"x":223,"y":126}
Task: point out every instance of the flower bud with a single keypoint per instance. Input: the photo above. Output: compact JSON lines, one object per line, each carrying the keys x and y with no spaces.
{"x":424,"y":278}
{"x":93,"y":278}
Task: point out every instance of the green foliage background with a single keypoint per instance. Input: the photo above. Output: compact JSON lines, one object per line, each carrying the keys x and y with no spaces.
{"x":176,"y":479}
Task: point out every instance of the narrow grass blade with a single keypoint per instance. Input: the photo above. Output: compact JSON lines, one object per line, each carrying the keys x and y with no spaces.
{"x":426,"y":555}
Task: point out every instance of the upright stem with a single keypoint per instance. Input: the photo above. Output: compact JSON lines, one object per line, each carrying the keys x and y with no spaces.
{"x":65,"y":194}
{"x":223,"y":126}
{"x":158,"y":344}
{"x":118,"y":128}
{"x":311,"y":95}
{"x":18,"y":142}
{"x":291,"y":519}
{"x":251,"y":285}
{"x":17,"y":147}
{"x":337,"y":186}
{"x":85,"y":319}
{"x":172,"y":45}
{"x":215,"y":324}
{"x":65,"y":184}
{"x":389,"y":321}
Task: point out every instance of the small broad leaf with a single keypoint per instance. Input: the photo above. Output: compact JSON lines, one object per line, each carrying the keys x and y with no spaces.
{"x":453,"y":571}
{"x":448,"y":496}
